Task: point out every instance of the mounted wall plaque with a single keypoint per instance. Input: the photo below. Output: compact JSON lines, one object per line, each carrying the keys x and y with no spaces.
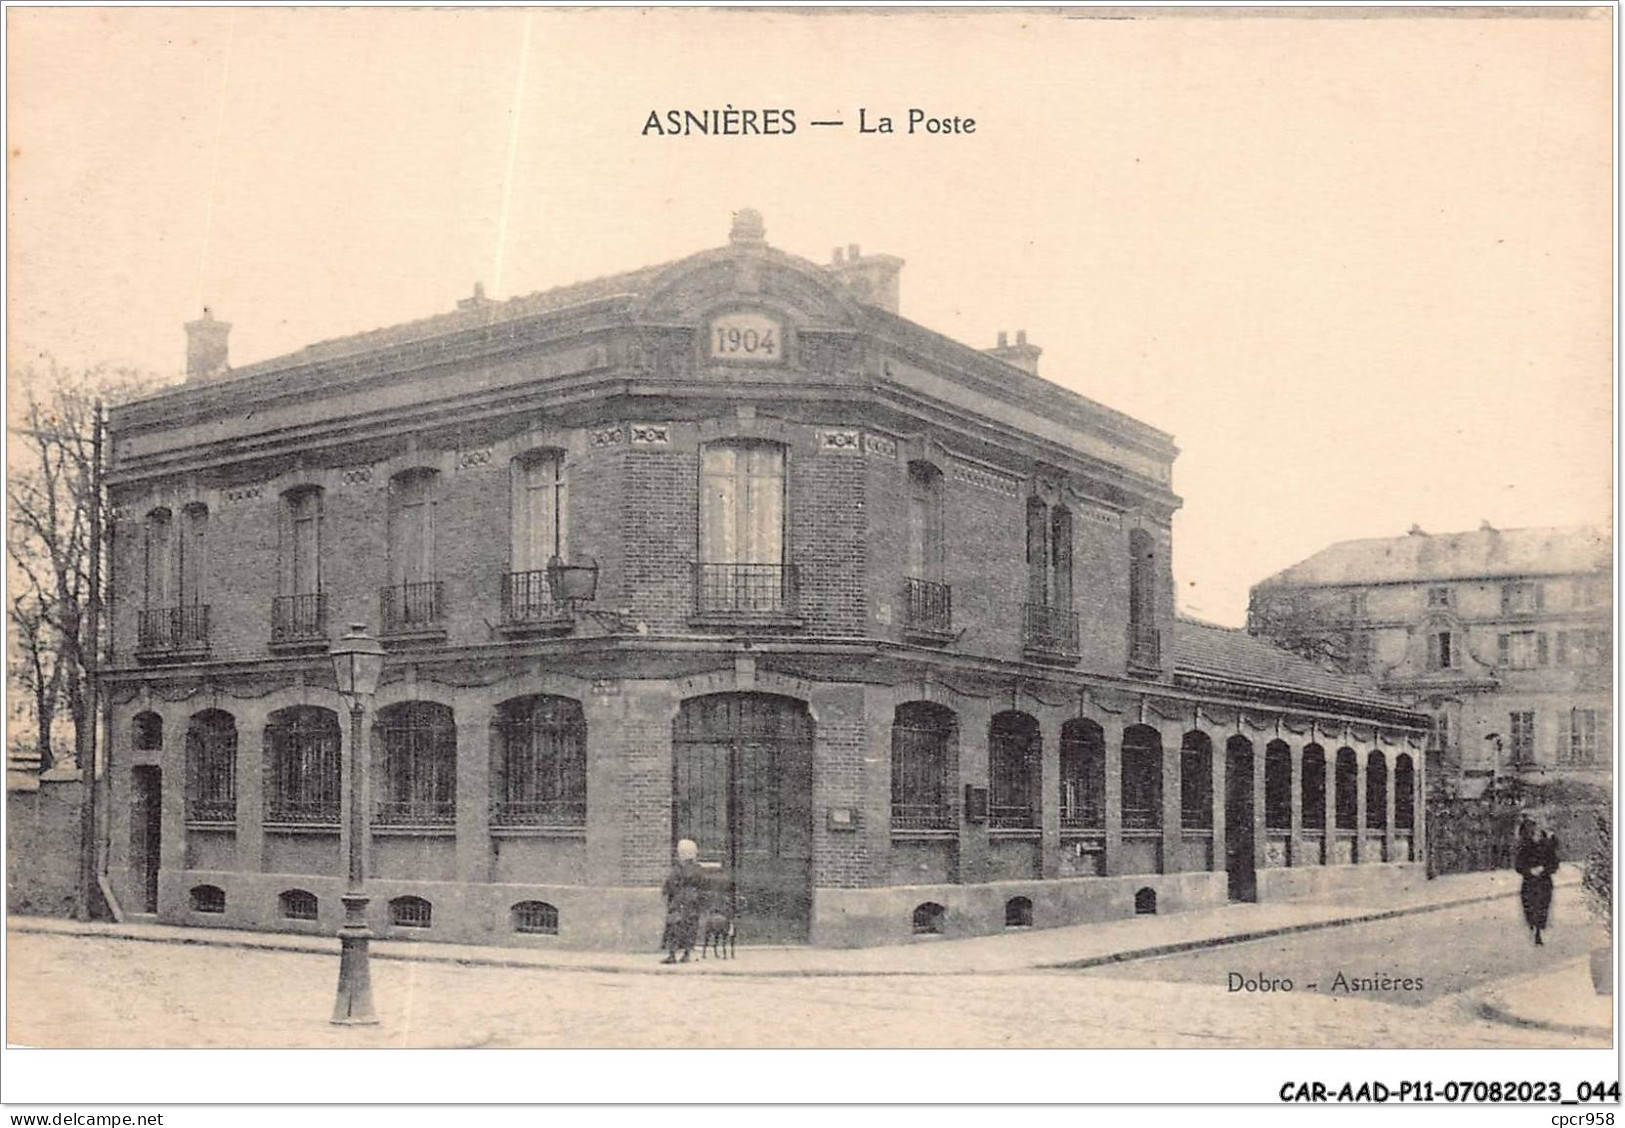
{"x":746,"y":336}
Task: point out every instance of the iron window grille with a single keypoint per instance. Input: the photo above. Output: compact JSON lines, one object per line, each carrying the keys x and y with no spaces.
{"x":1314,"y":789}
{"x":305,"y":768}
{"x":412,"y":607}
{"x":928,"y":919}
{"x":527,"y":597}
{"x":418,"y":783}
{"x":1278,"y":787}
{"x":928,"y":606}
{"x":1196,"y":787}
{"x":921,"y":789}
{"x":1404,"y":793}
{"x":541,"y":769}
{"x":1083,"y":776}
{"x":174,"y":628}
{"x":1142,"y":781}
{"x":745,"y":589}
{"x":211,"y":768}
{"x":299,"y":617}
{"x":1013,"y":768}
{"x":298,"y":904}
{"x":208,"y":899}
{"x":1346,"y":799}
{"x":1376,"y":792}
{"x":411,"y":912}
{"x":536,"y":917}
{"x":1145,"y":647}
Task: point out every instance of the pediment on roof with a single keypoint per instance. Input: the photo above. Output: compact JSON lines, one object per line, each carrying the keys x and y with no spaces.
{"x":743,"y":276}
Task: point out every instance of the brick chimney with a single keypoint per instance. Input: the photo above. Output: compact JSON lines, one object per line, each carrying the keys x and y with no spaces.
{"x":1020,"y":354}
{"x":206,"y":347}
{"x":872,"y":280}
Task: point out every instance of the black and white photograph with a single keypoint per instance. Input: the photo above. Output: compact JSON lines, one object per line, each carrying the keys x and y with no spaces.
{"x":917,"y":528}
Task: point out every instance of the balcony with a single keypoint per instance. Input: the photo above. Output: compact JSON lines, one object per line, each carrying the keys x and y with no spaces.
{"x":299,"y":621}
{"x":528,"y":606}
{"x":1049,"y":634}
{"x":1144,"y":650}
{"x":416,"y":609}
{"x":928,"y":610}
{"x":173,"y":632}
{"x":746,"y":593}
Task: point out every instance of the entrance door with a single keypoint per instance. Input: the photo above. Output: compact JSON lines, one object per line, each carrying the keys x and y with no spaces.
{"x":146,"y":834}
{"x":742,"y":790}
{"x":1238,"y":822}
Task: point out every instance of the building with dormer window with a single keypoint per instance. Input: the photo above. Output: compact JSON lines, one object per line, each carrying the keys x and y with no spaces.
{"x":722,"y":549}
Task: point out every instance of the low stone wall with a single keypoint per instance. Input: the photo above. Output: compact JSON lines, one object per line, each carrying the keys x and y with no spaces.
{"x":42,"y":842}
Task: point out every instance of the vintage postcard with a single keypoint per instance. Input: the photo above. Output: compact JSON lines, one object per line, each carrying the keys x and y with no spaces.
{"x":1078,"y":528}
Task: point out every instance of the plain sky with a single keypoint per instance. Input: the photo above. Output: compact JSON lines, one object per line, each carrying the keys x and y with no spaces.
{"x":1358,"y":267}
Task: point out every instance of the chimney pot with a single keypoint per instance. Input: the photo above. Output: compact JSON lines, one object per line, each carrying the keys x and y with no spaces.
{"x":1415,"y":531}
{"x":747,"y":227}
{"x":838,"y":257}
{"x":1004,"y":339}
{"x":852,"y":251}
{"x":206,"y":346}
{"x":1021,"y":336}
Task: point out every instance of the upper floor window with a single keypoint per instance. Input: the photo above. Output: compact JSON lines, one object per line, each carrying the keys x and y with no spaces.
{"x":1037,"y":551}
{"x":742,"y":503}
{"x":1357,"y":605}
{"x":157,"y":549}
{"x":301,"y":542}
{"x":1522,"y":727}
{"x":1142,"y":596}
{"x":536,"y":531}
{"x":1362,"y":646}
{"x":925,"y":539}
{"x":412,"y":599}
{"x":742,"y":567}
{"x":1439,"y":733}
{"x":1522,"y":650}
{"x":1586,"y":739}
{"x":1442,"y":653}
{"x":191,"y":555}
{"x":1439,"y":597}
{"x":1521,"y":598}
{"x":1582,"y":648}
{"x":1060,"y":556}
{"x":1591,"y":591}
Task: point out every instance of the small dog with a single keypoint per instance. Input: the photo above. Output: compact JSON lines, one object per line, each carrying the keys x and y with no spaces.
{"x":717,"y":934}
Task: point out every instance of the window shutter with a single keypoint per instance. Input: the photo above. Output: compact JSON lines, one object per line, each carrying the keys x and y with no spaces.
{"x":499,"y":768}
{"x":1503,"y":647}
{"x":1540,"y":597}
{"x":1562,"y":648}
{"x":1506,"y":598}
{"x":1540,"y":649}
{"x":1433,"y":651}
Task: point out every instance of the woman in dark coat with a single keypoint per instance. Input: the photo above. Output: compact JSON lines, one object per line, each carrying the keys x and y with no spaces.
{"x":1536,"y":861}
{"x":685,"y":892}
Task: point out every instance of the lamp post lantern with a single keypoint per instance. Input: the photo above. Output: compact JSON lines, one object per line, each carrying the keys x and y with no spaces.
{"x":358,"y":660}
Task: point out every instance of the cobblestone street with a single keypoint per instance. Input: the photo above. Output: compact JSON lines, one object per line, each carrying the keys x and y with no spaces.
{"x":85,"y":992}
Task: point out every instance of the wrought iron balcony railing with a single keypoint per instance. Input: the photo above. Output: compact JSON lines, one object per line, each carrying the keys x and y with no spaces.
{"x":1145,"y":648}
{"x":745,"y":589}
{"x":1014,"y":817}
{"x":527,"y":597}
{"x":1049,"y":630}
{"x":299,"y":618}
{"x":923,"y":816}
{"x":415,"y":812}
{"x":174,"y":628}
{"x":412,"y":607}
{"x":928,"y":606}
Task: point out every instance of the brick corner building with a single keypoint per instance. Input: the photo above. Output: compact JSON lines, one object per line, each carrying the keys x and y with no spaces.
{"x":722,"y":549}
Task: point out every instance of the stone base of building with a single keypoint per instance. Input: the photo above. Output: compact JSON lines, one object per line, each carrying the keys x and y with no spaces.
{"x":632,"y":918}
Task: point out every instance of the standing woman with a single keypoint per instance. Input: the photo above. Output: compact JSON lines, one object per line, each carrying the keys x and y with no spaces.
{"x":1536,"y":860}
{"x":684,"y":890}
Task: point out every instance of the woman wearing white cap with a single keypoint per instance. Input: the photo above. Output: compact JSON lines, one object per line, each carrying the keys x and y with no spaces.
{"x":684,"y":890}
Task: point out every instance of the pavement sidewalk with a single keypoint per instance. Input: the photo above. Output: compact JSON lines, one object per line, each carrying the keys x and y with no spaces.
{"x":1561,"y":1000}
{"x":1075,"y":946}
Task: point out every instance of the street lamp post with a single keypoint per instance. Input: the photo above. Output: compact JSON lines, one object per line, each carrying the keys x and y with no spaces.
{"x":358,"y":660}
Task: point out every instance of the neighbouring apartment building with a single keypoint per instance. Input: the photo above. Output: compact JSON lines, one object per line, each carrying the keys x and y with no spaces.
{"x":1503,"y":637}
{"x":722,"y":549}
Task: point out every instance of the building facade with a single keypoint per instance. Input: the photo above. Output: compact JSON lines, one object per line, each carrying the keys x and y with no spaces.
{"x":1503,"y":637}
{"x":723,"y":549}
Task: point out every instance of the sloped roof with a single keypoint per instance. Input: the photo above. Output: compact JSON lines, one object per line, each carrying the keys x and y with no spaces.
{"x":1450,"y":556}
{"x":1205,"y":650}
{"x":471,"y":314}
